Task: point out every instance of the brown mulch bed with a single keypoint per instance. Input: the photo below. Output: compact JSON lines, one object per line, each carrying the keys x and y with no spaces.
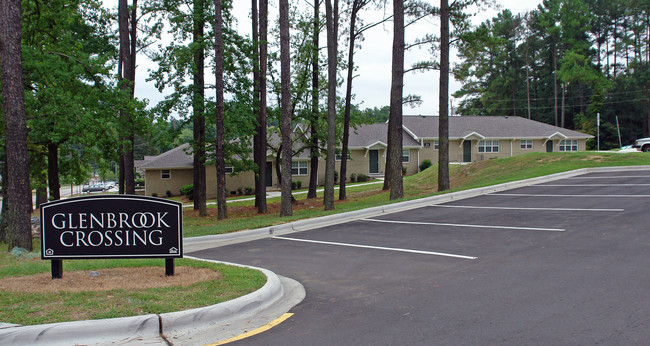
{"x":108,"y":279}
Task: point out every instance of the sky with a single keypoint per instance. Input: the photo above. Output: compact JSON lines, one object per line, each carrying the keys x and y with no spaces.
{"x":371,"y":85}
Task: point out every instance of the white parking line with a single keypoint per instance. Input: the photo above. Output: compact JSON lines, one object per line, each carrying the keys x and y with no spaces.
{"x":376,"y":247}
{"x":520,"y":208}
{"x":468,"y":225}
{"x":613,"y":177}
{"x":538,"y":195}
{"x":591,"y":185}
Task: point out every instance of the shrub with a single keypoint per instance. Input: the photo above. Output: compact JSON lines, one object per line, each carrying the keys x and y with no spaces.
{"x":353,"y":177}
{"x":154,"y":195}
{"x":404,"y":170}
{"x":296,"y":184}
{"x":336,"y":176}
{"x":139,"y":183}
{"x":249,"y":190}
{"x":240,"y":190}
{"x":425,"y":164}
{"x":188,"y":191}
{"x":169,"y":193}
{"x":362,"y":177}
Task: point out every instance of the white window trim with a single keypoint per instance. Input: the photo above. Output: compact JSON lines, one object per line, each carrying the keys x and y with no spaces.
{"x":483,"y":144}
{"x":524,"y":144}
{"x":298,"y":168}
{"x":162,"y":174}
{"x":408,"y":155}
{"x":570,"y":143}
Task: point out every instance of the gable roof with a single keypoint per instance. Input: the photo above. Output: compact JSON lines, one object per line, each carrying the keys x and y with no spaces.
{"x":462,"y":127}
{"x":179,"y":157}
{"x":366,"y":136}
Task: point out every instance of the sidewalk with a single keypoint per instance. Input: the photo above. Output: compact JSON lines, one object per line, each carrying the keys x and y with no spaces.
{"x":274,"y":194}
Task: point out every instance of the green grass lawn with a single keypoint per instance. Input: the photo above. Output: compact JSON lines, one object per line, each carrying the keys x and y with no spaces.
{"x":60,"y":306}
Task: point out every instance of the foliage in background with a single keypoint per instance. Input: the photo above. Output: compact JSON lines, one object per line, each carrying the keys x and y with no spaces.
{"x":562,"y":64}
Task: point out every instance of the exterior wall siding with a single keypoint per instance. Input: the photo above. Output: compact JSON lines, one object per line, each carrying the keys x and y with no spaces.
{"x":154,"y":184}
{"x":180,"y":177}
{"x":357,"y":164}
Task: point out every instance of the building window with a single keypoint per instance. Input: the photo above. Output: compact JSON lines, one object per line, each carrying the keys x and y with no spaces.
{"x":339,"y":156}
{"x":165,"y":174}
{"x":569,"y":145}
{"x":229,"y":169}
{"x":526,"y":144}
{"x":406,"y":156}
{"x":427,"y":145}
{"x":299,"y":167}
{"x":488,"y":146}
{"x":436,"y":145}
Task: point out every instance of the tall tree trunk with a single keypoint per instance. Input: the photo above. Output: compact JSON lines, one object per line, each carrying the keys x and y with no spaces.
{"x":256,"y":95}
{"x":120,"y":166}
{"x":38,"y":179}
{"x":260,"y":189}
{"x":396,"y":91}
{"x":285,"y":77}
{"x":41,"y":196}
{"x":527,"y":80}
{"x":219,"y":121}
{"x":356,"y":6}
{"x":555,"y":83}
{"x":386,"y":184}
{"x":563,"y":103}
{"x":615,"y":46}
{"x":314,"y":151}
{"x":646,"y":121}
{"x":198,"y":102}
{"x":127,"y":83}
{"x":53,"y":171}
{"x":607,"y":67}
{"x":19,"y":194}
{"x":443,"y":120}
{"x":5,"y":206}
{"x":332,"y":17}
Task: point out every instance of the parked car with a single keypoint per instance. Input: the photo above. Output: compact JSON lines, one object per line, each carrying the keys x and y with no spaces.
{"x":109,"y":184}
{"x":642,"y":144}
{"x":93,"y":188}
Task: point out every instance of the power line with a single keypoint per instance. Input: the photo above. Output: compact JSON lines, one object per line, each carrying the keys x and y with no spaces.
{"x":566,"y":98}
{"x":559,"y":107}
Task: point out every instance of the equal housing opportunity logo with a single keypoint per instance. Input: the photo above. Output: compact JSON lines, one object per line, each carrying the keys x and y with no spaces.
{"x":111,"y":226}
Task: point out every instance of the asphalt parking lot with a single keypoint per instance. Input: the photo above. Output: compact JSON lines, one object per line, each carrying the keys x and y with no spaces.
{"x":564,"y":262}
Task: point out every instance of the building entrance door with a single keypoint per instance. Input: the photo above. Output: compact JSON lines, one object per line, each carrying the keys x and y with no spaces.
{"x":549,"y":146}
{"x":467,"y":151}
{"x":374,"y":162}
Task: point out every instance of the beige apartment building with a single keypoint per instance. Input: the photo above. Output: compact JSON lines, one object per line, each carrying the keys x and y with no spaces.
{"x":471,"y":138}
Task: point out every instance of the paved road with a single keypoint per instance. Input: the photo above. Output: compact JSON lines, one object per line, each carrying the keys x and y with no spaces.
{"x":558,"y":263}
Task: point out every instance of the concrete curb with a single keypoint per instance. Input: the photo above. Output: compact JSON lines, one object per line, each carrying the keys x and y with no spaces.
{"x":185,"y":322}
{"x":128,"y":330}
{"x":91,"y":332}
{"x":210,"y":241}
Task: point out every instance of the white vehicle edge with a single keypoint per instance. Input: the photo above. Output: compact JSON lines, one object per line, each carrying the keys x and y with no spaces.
{"x":642,"y":144}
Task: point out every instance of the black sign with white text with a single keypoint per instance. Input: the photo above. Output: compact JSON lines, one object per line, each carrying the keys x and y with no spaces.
{"x":111,"y":226}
